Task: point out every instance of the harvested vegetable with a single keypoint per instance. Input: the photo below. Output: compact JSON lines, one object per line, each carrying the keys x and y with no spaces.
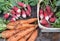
{"x":48,"y":8}
{"x":41,"y":12}
{"x":16,"y":9}
{"x":33,"y":36}
{"x":24,"y":14}
{"x":28,"y":21}
{"x":21,"y":4}
{"x":43,"y":21}
{"x":25,"y":37}
{"x":53,"y":19}
{"x":21,"y":24}
{"x":6,"y":15}
{"x":51,"y":12}
{"x":24,"y":26}
{"x":8,"y":33}
{"x":21,"y":34}
{"x":28,"y":8}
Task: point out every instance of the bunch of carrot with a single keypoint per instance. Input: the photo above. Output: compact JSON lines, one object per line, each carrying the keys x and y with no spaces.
{"x":21,"y":30}
{"x":47,"y":16}
{"x":21,"y":10}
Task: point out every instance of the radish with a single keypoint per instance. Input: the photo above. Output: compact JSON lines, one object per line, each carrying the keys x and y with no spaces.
{"x":23,"y":14}
{"x":17,"y":16}
{"x":29,"y":8}
{"x":43,"y":22}
{"x":52,"y":19}
{"x":13,"y":20}
{"x":46,"y":15}
{"x":17,"y":10}
{"x":41,"y":14}
{"x":27,"y":13}
{"x":48,"y":8}
{"x":6,"y":15}
{"x":47,"y":25}
{"x":13,"y":12}
{"x":51,"y":14}
{"x":21,"y":4}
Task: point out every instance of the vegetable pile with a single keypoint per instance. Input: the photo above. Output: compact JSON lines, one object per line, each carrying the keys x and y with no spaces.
{"x":14,"y":25}
{"x":15,"y":12}
{"x":48,"y":13}
{"x":21,"y":30}
{"x":18,"y":9}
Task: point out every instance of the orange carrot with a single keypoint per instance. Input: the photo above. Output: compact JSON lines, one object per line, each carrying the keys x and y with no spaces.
{"x":25,"y":37}
{"x":28,"y":21}
{"x":9,"y":33}
{"x":23,"y":21}
{"x":21,"y":34}
{"x":12,"y":25}
{"x":33,"y":36}
{"x":20,"y":26}
{"x":24,"y":26}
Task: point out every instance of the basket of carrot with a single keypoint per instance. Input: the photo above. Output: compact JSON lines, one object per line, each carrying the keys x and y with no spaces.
{"x":48,"y":14}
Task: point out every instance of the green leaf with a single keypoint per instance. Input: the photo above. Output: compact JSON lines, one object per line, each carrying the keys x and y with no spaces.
{"x":32,"y":4}
{"x":20,"y":0}
{"x":58,"y":3}
{"x":2,"y":0}
{"x":46,"y":2}
{"x":12,"y":2}
{"x":26,"y":1}
{"x":58,"y":14}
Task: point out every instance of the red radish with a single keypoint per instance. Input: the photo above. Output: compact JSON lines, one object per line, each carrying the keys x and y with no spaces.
{"x":43,"y":21}
{"x":29,"y":8}
{"x":27,"y":13}
{"x":21,"y":4}
{"x":23,"y":14}
{"x":13,"y":19}
{"x":41,"y":14}
{"x":47,"y":25}
{"x":51,"y":14}
{"x":13,"y":12}
{"x":17,"y":16}
{"x":17,"y":9}
{"x":48,"y":8}
{"x":13,"y":16}
{"x":6,"y":15}
{"x":46,"y":15}
{"x":52,"y":19}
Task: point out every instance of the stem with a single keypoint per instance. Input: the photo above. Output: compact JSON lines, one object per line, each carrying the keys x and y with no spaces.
{"x":26,"y":2}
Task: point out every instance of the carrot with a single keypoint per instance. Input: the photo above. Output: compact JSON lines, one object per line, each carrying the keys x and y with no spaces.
{"x":9,"y":33}
{"x":21,"y":26}
{"x":33,"y":36}
{"x":11,"y":25}
{"x":21,"y":34}
{"x":26,"y":37}
{"x":24,"y":26}
{"x":28,"y":21}
{"x":24,"y":21}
